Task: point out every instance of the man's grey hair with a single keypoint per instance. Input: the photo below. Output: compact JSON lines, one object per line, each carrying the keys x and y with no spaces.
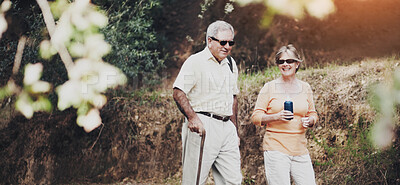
{"x":217,"y":26}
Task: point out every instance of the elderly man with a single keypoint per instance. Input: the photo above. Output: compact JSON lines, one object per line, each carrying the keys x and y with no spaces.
{"x":205,"y":92}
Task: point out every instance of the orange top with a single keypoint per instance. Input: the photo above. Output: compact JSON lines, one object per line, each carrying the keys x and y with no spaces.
{"x":286,"y":137}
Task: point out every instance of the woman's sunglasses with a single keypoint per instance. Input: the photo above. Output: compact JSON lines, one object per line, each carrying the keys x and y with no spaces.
{"x":223,"y":42}
{"x":289,"y":61}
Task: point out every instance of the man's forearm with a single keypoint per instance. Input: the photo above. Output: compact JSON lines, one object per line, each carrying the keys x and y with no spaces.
{"x":183,"y":103}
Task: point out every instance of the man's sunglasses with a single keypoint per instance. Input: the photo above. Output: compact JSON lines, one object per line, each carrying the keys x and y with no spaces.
{"x":289,"y":61}
{"x":223,"y":42}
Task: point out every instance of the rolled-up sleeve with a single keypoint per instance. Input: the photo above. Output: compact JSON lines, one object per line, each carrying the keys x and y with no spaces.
{"x":261,"y":106}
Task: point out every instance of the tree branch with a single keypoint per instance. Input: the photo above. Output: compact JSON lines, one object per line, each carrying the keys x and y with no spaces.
{"x":51,"y":26}
{"x":18,"y":55}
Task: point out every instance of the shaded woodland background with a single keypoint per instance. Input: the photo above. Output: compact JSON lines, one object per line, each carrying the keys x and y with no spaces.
{"x":359,"y":29}
{"x":140,"y":139}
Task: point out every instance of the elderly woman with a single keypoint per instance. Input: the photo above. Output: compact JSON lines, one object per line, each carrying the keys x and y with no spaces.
{"x":284,"y":144}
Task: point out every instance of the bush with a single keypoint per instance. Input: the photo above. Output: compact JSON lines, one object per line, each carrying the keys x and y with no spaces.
{"x":133,"y":40}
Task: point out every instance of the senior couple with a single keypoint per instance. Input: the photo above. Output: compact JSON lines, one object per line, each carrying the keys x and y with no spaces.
{"x":205,"y":91}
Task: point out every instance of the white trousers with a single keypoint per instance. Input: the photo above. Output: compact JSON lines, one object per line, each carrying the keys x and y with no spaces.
{"x":220,"y":153}
{"x":279,"y":167}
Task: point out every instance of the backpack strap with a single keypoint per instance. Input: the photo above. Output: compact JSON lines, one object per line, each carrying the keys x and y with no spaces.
{"x":230,"y":62}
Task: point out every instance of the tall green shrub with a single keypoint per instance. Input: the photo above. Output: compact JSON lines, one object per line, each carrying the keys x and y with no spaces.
{"x":133,"y":39}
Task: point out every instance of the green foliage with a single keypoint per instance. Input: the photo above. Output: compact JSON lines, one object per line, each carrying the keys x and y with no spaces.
{"x":5,"y":92}
{"x":32,"y":27}
{"x":130,"y":33}
{"x":75,"y":37}
{"x":248,"y":180}
{"x":133,"y":39}
{"x":357,"y":158}
{"x":249,"y":80}
{"x":145,"y":96}
{"x":28,"y":21}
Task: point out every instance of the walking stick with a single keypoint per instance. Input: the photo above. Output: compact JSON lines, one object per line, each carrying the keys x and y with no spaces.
{"x":203,"y":137}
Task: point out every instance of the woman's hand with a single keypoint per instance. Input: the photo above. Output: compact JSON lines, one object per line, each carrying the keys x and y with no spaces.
{"x":285,"y":115}
{"x":307,"y":122}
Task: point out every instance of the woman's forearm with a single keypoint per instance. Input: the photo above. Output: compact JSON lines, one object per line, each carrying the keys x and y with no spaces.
{"x":266,"y":118}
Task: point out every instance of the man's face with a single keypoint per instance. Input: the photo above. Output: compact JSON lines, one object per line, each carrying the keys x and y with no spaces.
{"x":220,"y":52}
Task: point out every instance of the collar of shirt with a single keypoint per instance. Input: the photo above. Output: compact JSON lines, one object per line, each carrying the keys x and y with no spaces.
{"x":210,"y":56}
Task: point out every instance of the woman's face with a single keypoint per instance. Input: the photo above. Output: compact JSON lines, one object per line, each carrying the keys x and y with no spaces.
{"x":288,"y":66}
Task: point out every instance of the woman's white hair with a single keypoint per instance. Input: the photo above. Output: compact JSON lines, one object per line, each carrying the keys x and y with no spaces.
{"x":217,"y":26}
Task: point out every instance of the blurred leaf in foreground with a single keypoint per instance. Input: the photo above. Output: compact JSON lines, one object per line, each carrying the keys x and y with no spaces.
{"x":294,"y":8}
{"x":386,"y":99}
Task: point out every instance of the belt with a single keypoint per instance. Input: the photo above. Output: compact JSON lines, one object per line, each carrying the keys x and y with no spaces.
{"x":222,"y":118}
